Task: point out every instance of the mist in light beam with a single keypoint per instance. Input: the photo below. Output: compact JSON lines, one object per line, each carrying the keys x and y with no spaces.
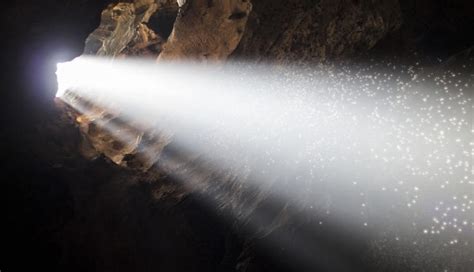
{"x":380,"y":146}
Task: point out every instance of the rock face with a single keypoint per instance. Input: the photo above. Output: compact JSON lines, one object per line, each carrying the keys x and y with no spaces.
{"x":116,"y":31}
{"x":301,"y":30}
{"x":203,"y":30}
{"x":285,"y":30}
{"x":124,"y":29}
{"x":207,"y":30}
{"x":297,"y":30}
{"x":123,"y":32}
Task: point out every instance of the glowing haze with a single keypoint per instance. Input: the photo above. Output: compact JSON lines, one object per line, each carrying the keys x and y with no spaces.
{"x":388,"y":144}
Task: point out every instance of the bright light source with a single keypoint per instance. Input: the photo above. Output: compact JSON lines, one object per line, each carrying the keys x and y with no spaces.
{"x":62,"y":76}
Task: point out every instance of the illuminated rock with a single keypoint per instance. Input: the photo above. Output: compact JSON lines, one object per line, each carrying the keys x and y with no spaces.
{"x":203,"y":30}
{"x":207,"y":30}
{"x":211,"y":31}
{"x":123,"y":32}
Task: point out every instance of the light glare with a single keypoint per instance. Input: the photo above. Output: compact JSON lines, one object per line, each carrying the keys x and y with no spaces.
{"x":381,"y":146}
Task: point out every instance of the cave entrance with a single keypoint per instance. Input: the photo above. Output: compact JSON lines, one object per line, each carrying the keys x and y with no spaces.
{"x":162,"y":21}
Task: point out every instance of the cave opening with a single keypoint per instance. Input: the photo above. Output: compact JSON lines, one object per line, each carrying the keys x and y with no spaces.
{"x":162,"y":21}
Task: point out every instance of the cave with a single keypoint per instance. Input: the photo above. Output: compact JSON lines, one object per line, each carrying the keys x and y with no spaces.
{"x":162,"y":21}
{"x":237,"y":135}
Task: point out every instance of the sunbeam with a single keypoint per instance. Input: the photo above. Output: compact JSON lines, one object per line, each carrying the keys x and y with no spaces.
{"x":379,"y":148}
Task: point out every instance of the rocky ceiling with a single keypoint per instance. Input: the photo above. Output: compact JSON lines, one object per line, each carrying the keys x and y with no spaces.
{"x":215,"y":30}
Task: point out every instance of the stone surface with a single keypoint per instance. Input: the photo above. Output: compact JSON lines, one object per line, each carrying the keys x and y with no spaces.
{"x":115,"y":32}
{"x":302,"y":30}
{"x":207,"y":30}
{"x":123,"y":28}
{"x":123,"y":32}
{"x":204,"y":30}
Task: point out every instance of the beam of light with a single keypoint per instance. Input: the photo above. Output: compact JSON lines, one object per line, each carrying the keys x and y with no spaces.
{"x":384,"y":148}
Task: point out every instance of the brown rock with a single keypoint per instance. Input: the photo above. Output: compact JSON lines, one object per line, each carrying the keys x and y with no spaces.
{"x":300,"y":30}
{"x":211,"y":30}
{"x":207,"y":30}
{"x":123,"y":26}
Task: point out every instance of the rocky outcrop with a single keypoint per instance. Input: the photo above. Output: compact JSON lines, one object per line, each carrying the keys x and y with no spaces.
{"x":124,"y":30}
{"x":301,"y":30}
{"x":203,"y":30}
{"x":207,"y":30}
{"x":294,"y":30}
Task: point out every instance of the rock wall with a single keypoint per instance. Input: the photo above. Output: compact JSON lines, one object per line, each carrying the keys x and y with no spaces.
{"x":207,"y":30}
{"x":123,"y":28}
{"x":301,"y":30}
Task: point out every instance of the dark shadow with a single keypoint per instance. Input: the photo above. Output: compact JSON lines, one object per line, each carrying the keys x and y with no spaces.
{"x":162,"y":21}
